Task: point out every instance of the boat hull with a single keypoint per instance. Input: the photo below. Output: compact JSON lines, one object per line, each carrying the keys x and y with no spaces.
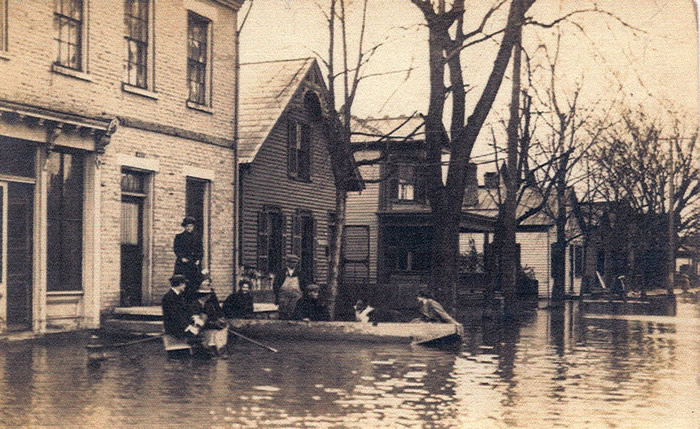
{"x":408,"y":333}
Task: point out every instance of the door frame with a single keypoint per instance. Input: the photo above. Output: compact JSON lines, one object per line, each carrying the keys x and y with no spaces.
{"x":3,"y":265}
{"x":141,"y":201}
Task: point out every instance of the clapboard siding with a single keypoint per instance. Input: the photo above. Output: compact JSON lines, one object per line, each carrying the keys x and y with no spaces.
{"x":535,"y":253}
{"x":265,"y":182}
{"x":362,"y":208}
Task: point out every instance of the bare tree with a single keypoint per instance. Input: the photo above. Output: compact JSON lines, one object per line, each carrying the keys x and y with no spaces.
{"x":447,"y":40}
{"x":650,"y":170}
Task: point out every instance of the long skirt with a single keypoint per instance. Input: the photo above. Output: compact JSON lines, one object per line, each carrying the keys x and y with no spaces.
{"x":215,"y":338}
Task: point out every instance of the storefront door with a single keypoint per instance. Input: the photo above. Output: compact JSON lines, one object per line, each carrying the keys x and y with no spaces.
{"x":17,"y":222}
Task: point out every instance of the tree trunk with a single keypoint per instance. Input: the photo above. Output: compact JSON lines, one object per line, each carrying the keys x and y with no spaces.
{"x":559,"y":251}
{"x":335,"y":248}
{"x":445,"y":253}
{"x":508,"y":250}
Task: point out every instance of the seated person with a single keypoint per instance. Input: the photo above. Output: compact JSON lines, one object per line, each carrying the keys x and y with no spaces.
{"x":310,"y":307}
{"x":176,"y":315}
{"x":431,"y":311}
{"x":209,"y":318}
{"x":239,"y":305}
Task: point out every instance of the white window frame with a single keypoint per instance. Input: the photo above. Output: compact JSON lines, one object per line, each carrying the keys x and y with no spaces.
{"x":84,"y":54}
{"x":150,"y":90}
{"x":209,"y":13}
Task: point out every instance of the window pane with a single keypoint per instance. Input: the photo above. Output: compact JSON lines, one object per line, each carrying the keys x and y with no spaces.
{"x":16,"y":157}
{"x":65,"y":221}
{"x":130,"y":223}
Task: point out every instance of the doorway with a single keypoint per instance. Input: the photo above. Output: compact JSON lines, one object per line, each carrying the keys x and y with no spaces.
{"x":17,"y":213}
{"x":133,"y":186}
{"x":197,"y":197}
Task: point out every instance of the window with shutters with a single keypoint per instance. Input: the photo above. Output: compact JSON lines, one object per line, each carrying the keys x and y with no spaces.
{"x":355,"y":268}
{"x":299,"y":136}
{"x":270,"y":240}
{"x":303,"y":239}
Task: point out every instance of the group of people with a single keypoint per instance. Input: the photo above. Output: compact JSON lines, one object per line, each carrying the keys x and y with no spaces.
{"x":193,"y":314}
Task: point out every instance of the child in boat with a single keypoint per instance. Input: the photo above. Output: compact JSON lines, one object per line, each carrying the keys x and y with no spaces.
{"x":208,"y":316}
{"x":239,"y":305}
{"x":431,"y":311}
{"x":310,"y":306}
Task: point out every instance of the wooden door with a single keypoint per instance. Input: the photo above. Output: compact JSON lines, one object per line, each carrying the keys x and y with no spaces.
{"x":19,"y":220}
{"x":131,"y":251}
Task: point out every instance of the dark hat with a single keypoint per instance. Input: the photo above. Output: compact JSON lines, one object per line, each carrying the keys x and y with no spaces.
{"x":177,"y":280}
{"x":188,"y":220}
{"x":291,"y":257}
{"x":424,"y":294}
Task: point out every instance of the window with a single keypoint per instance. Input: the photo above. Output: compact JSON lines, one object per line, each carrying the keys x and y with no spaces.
{"x":356,"y":255}
{"x":270,"y":240}
{"x":68,"y":24}
{"x":405,"y":184}
{"x":409,"y":249}
{"x":197,"y":58}
{"x":299,"y":150}
{"x":3,"y":25}
{"x":136,"y":22}
{"x":65,"y":221}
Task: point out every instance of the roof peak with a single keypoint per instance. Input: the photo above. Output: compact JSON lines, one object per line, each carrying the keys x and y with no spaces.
{"x":279,"y":61}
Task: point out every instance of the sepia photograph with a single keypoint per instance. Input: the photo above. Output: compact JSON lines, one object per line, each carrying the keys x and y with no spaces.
{"x":349,"y":213}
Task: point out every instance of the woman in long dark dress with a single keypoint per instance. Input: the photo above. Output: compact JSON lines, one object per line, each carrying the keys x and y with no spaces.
{"x":188,"y":251}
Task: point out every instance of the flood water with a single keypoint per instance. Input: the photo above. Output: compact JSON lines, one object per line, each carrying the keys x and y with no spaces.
{"x":553,"y":368}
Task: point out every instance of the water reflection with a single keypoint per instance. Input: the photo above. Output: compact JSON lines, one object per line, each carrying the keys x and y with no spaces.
{"x":554,"y":367}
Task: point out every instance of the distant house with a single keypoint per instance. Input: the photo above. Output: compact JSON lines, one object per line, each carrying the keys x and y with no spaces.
{"x":388,"y":234}
{"x":287,"y":190}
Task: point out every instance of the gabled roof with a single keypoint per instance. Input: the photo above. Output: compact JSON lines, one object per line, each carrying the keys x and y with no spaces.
{"x":488,"y":201}
{"x":266,"y":88}
{"x":399,"y":128}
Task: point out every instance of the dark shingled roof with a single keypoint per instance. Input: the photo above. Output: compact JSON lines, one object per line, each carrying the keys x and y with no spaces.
{"x":266,"y":89}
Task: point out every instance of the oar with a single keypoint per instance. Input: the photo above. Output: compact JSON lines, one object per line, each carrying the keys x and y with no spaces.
{"x":274,"y":350}
{"x":142,"y":340}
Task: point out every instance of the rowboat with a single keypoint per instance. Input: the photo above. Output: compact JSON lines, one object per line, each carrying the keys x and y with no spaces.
{"x":427,"y":334}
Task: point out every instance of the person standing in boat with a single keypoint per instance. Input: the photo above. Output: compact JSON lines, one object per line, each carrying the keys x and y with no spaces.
{"x":431,"y":311}
{"x":188,"y":251}
{"x":239,"y":305}
{"x":310,"y":306}
{"x":287,"y":287}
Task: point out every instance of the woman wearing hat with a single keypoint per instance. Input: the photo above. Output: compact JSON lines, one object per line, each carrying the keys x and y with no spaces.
{"x":188,"y":251}
{"x":208,"y":316}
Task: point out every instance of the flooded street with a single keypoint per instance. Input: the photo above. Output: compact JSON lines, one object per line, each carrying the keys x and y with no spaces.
{"x":554,"y":368}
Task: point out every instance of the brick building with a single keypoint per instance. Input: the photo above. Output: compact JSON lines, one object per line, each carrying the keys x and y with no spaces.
{"x":117,"y":120}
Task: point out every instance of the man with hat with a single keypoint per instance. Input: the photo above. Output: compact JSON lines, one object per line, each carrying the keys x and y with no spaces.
{"x":287,"y":287}
{"x":188,"y":251}
{"x":310,"y":306}
{"x":176,"y":316}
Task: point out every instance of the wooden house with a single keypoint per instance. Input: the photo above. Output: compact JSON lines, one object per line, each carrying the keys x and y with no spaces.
{"x":388,"y":226}
{"x":286,"y":184}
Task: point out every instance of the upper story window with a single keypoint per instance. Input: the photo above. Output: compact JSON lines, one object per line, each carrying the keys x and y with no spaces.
{"x":198,"y":58}
{"x":3,"y":25}
{"x":68,"y":25}
{"x":136,"y":20}
{"x":405,"y":184}
{"x":299,"y":150}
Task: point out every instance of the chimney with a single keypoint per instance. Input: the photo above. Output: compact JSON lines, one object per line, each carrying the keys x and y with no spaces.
{"x":491,"y":180}
{"x":471,"y":188}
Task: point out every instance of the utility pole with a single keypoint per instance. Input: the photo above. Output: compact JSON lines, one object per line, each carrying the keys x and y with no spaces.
{"x":671,"y":230}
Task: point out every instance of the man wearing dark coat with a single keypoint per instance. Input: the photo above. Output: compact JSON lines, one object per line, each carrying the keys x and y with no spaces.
{"x":188,"y":251}
{"x":239,"y":305}
{"x":310,"y":306}
{"x":176,"y":315}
